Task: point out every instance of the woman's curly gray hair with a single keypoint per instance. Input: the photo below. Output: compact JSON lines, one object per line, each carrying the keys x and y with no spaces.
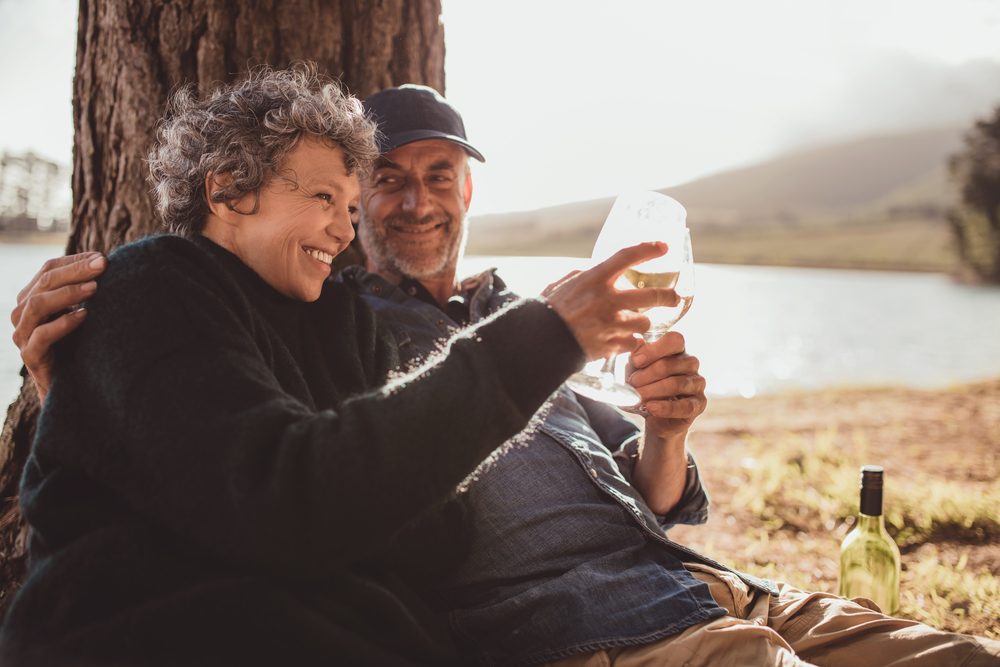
{"x":245,"y":130}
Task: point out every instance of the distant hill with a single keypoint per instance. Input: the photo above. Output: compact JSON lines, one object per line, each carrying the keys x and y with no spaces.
{"x":874,"y":202}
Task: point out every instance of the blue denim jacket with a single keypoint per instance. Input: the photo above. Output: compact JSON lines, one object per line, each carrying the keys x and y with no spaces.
{"x":565,"y":557}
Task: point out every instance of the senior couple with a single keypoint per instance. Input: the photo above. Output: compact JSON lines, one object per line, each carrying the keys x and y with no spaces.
{"x":242,"y":460}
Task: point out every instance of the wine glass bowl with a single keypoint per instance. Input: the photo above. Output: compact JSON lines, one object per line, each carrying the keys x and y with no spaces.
{"x":675,"y":271}
{"x":639,"y":217}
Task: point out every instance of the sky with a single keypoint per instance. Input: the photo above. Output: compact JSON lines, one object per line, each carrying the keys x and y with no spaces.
{"x":573,"y":100}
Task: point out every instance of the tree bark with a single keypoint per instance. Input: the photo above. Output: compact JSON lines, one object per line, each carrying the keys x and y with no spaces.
{"x":130,"y":55}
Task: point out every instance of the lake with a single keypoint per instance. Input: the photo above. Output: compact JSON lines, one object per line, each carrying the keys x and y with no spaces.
{"x":755,"y":329}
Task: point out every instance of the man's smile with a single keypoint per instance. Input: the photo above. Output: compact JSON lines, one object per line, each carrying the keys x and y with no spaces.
{"x":416,"y":229}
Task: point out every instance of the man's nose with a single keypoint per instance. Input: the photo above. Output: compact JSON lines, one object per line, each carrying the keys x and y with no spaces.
{"x":417,"y":200}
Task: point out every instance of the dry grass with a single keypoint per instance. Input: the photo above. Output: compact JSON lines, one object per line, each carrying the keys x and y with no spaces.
{"x":783,"y":472}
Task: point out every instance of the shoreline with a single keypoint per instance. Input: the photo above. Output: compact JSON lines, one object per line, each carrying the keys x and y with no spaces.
{"x":34,"y":238}
{"x":61,"y":239}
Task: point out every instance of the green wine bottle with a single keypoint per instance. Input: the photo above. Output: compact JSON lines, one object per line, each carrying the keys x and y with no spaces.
{"x":869,"y":559}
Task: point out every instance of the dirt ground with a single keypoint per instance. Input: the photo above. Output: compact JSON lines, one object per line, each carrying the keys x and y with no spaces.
{"x":924,"y":439}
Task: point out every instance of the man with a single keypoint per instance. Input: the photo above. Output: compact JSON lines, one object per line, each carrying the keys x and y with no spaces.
{"x":565,"y":557}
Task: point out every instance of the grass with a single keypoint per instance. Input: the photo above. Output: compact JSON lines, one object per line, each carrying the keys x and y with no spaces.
{"x":804,"y":485}
{"x":915,"y":244}
{"x":783,"y":473}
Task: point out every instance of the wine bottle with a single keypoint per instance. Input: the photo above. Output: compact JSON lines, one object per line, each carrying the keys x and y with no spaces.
{"x":869,"y":559}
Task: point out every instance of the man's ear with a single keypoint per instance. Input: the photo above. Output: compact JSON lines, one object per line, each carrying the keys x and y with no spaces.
{"x":467,"y":188}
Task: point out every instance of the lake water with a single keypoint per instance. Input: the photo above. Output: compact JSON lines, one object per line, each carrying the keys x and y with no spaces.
{"x":755,"y":329}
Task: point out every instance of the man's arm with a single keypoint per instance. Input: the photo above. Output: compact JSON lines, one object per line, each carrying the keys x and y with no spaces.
{"x":48,"y":309}
{"x":673,"y":395}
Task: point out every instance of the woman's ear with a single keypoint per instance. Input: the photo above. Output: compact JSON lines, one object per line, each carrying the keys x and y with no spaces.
{"x":226,"y":209}
{"x":215,"y":186}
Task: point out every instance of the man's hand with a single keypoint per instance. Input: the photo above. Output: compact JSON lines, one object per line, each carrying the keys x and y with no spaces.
{"x":48,"y":309}
{"x":667,"y":379}
{"x":604,"y":319}
{"x":673,"y":395}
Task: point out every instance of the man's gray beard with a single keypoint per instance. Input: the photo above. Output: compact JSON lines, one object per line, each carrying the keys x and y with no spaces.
{"x":377,"y":247}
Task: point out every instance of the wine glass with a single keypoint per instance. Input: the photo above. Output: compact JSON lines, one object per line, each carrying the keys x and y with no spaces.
{"x":635,"y":218}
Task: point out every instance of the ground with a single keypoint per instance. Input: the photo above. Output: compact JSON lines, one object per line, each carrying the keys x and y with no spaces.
{"x":782,"y":472}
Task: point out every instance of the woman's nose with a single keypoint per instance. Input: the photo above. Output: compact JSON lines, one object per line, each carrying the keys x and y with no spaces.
{"x":341,"y":228}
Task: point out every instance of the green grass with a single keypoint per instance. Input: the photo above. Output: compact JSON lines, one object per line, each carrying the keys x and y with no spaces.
{"x":806,"y":485}
{"x":951,"y":597}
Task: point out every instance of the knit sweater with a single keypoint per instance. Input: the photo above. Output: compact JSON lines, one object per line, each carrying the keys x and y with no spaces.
{"x":217,"y":470}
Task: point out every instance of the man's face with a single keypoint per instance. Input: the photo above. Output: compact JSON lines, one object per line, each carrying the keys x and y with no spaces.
{"x":413,"y":208}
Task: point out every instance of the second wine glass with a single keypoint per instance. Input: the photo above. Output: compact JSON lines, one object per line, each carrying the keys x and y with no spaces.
{"x":638,"y":218}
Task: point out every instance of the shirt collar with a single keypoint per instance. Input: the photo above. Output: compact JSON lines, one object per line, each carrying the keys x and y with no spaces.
{"x":457,"y":306}
{"x":477,"y":289}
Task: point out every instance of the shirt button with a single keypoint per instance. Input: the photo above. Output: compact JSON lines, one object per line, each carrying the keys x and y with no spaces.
{"x":377,"y":289}
{"x":440,"y":323}
{"x":593,"y":473}
{"x":411,"y":291}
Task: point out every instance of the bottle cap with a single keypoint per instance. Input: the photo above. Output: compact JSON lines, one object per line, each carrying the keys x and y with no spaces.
{"x":871,"y":490}
{"x":871,"y":476}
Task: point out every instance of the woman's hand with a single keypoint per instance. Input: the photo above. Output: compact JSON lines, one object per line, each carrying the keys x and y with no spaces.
{"x":603,"y":318}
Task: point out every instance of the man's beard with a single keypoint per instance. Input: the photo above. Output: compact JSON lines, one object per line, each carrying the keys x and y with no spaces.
{"x":386,"y":253}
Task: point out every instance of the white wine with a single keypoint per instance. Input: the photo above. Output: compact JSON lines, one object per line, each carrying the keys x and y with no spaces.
{"x":869,"y":559}
{"x":642,"y":279}
{"x":661,"y":318}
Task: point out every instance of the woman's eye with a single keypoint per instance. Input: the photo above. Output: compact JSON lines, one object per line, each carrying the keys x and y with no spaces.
{"x":325,"y":197}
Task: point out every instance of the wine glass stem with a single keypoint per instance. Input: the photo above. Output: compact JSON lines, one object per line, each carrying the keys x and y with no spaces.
{"x":608,"y":372}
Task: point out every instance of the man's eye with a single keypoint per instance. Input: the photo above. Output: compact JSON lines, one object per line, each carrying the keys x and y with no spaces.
{"x":324,"y":197}
{"x":386,"y":180}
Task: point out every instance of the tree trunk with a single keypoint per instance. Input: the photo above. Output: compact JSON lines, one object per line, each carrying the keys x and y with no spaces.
{"x":130,"y":55}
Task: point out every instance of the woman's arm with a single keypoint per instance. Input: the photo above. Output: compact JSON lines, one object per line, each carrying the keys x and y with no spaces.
{"x":196,"y":434}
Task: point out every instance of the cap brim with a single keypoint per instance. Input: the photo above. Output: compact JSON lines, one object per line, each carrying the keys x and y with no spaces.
{"x":389,"y":143}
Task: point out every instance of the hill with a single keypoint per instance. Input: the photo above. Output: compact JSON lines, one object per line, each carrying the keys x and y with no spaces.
{"x":875,"y":202}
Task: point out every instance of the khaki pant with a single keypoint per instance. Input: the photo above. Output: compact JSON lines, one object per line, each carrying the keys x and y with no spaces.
{"x":797,"y":629}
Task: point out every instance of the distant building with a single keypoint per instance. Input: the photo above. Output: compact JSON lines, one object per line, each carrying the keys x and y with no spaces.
{"x":35,"y":194}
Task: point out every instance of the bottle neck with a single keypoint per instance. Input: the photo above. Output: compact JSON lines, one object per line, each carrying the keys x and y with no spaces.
{"x":871,"y":524}
{"x":871,"y":500}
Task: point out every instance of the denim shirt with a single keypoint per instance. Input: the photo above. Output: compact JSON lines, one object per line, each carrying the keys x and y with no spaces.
{"x":565,"y":556}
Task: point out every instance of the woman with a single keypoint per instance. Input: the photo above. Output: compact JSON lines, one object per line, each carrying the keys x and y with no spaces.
{"x":216,"y":469}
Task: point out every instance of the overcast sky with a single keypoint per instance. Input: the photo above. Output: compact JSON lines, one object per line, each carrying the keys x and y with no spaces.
{"x":573,"y":100}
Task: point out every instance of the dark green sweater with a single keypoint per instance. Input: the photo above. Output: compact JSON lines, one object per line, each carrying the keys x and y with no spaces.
{"x":216,"y":472}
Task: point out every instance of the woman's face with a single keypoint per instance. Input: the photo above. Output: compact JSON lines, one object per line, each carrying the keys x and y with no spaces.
{"x":302,"y":222}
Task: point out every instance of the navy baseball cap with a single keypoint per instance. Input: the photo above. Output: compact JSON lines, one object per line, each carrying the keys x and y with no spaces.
{"x":411,"y":113}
